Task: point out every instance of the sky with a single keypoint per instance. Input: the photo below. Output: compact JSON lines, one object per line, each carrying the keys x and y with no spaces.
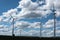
{"x":30,"y":17}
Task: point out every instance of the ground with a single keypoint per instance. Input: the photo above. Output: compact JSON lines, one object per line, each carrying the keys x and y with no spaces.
{"x":26,"y":38}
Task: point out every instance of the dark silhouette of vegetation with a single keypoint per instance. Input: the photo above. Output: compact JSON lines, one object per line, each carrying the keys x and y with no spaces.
{"x":27,"y":38}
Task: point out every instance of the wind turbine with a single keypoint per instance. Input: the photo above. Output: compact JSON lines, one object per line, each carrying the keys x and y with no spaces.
{"x":53,"y":10}
{"x":13,"y":25}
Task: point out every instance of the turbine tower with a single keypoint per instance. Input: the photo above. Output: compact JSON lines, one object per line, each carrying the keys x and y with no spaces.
{"x":53,"y":10}
{"x":13,"y":28}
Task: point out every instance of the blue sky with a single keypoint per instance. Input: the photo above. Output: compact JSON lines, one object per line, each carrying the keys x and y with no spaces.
{"x":29,"y":16}
{"x":6,"y":5}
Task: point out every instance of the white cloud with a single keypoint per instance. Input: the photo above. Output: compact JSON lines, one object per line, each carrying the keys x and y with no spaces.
{"x":57,"y":28}
{"x":1,"y":18}
{"x":27,"y":4}
{"x":50,"y":32}
{"x":57,"y":13}
{"x":47,"y":33}
{"x":49,"y":24}
{"x":9,"y":13}
{"x":23,"y":3}
{"x":33,"y":10}
{"x":6,"y":19}
{"x":29,"y":10}
{"x":34,"y":33}
{"x":1,"y":26}
{"x":58,"y":33}
{"x":27,"y":33}
{"x":58,"y":23}
{"x":35,"y":25}
{"x":23,"y":24}
{"x":5,"y":30}
{"x":57,"y":7}
{"x":34,"y":13}
{"x":57,"y":4}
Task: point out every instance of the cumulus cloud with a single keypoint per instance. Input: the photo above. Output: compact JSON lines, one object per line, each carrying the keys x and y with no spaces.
{"x":22,"y":24}
{"x":35,"y":25}
{"x":45,"y":32}
{"x":11,"y":12}
{"x":5,"y":30}
{"x":29,"y":33}
{"x":32,"y":9}
{"x":58,"y":13}
{"x":34,"y":33}
{"x":57,"y":4}
{"x":49,"y":24}
{"x":49,"y":32}
{"x":1,"y":26}
{"x":27,"y":4}
{"x":1,"y":18}
{"x":9,"y":15}
{"x":25,"y":24}
{"x":57,"y":7}
{"x":57,"y":33}
{"x":57,"y":23}
{"x":29,"y":10}
{"x":57,"y":28}
{"x":33,"y":14}
{"x":48,"y":28}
